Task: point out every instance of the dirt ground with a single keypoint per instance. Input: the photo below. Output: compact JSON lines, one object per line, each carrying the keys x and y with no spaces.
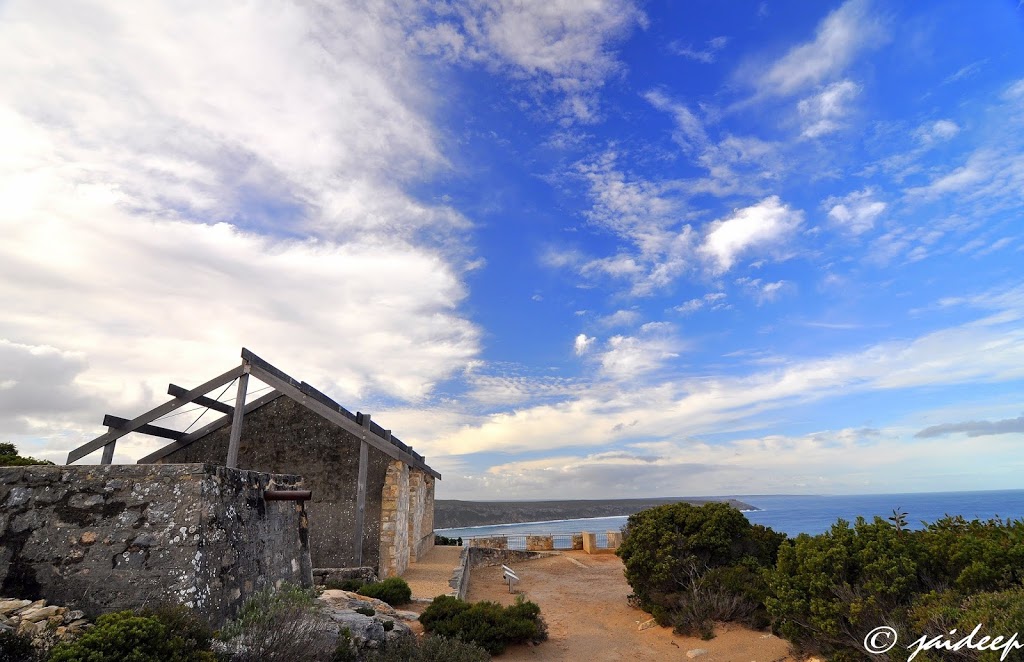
{"x":583,"y":599}
{"x":428,"y":577}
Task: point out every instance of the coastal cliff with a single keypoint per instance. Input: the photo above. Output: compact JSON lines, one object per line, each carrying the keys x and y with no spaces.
{"x":450,"y":513}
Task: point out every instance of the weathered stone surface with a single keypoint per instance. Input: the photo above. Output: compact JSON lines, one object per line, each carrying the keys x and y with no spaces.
{"x":285,"y":437}
{"x":646,"y":625}
{"x":124,"y":536}
{"x":540,"y":543}
{"x":367,"y":632}
{"x":696,"y":652}
{"x":394,"y":514}
{"x":8,"y":606}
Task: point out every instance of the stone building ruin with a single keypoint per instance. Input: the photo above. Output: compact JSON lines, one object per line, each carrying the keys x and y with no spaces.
{"x":334,"y":489}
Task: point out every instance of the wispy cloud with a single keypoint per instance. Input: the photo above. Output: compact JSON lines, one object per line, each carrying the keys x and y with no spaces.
{"x":564,"y":47}
{"x":849,"y":30}
{"x":823,"y":112}
{"x":856,"y":212}
{"x":974,"y":428}
{"x":706,"y":55}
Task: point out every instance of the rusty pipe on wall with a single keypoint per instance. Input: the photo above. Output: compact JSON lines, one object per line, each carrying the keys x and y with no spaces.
{"x":287,"y":495}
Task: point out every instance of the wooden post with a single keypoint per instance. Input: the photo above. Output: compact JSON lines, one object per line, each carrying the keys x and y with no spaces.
{"x":236,"y":421}
{"x":364,"y":448}
{"x":108,"y":450}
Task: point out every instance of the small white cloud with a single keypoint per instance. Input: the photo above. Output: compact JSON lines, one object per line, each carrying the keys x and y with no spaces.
{"x":582,"y":344}
{"x":767,"y":223}
{"x":763,"y":292}
{"x":856,"y":212}
{"x":620,"y":318}
{"x":537,"y":297}
{"x":713,"y":300}
{"x":937,"y":131}
{"x":628,"y":357}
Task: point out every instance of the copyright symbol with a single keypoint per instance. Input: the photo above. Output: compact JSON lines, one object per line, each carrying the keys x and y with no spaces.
{"x":880,"y":640}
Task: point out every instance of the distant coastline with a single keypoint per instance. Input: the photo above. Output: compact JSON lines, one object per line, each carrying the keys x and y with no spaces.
{"x":449,"y":513}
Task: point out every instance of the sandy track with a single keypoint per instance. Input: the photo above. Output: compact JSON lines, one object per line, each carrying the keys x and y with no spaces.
{"x":583,"y":600}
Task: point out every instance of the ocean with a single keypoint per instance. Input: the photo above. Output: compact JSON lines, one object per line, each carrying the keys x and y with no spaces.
{"x":795,"y":514}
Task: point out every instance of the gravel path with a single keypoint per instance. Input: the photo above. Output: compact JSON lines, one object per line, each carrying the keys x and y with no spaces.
{"x":428,"y":577}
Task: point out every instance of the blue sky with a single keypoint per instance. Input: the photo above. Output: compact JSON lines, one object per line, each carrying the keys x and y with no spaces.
{"x":564,"y":249}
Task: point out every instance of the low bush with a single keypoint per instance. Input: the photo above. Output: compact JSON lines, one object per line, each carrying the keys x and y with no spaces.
{"x":446,"y":541}
{"x":365,"y":611}
{"x":125,"y":636}
{"x":430,"y":649}
{"x":392,"y":590}
{"x":277,"y":624}
{"x":486,"y":624}
{"x":16,"y":647}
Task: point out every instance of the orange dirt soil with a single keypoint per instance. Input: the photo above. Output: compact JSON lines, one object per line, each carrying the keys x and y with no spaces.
{"x":583,"y":599}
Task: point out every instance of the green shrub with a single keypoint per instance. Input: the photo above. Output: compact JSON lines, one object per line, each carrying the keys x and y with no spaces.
{"x":128,"y":637}
{"x":16,"y":647}
{"x":365,"y":611}
{"x":9,"y":457}
{"x":445,"y":540}
{"x":486,"y":624}
{"x":691,"y":565}
{"x":283,"y":624}
{"x":392,"y":590}
{"x":430,"y":649}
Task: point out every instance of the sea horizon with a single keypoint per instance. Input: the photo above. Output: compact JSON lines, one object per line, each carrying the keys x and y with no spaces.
{"x":793,"y":515}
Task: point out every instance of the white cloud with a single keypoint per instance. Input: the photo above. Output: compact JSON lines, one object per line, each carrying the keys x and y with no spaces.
{"x":840,"y":37}
{"x":619,"y":318}
{"x":751,"y":229}
{"x":630,"y":357}
{"x":564,"y":46}
{"x":583,"y":343}
{"x":822,"y":113}
{"x":707,"y":55}
{"x":937,"y":131}
{"x":856,"y":212}
{"x":763,"y":292}
{"x":713,"y":300}
{"x":236,"y":179}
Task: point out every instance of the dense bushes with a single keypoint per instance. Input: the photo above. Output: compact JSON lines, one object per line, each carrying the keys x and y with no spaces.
{"x":16,"y":647}
{"x":393,"y":590}
{"x":171,"y":635}
{"x":691,"y":565}
{"x":486,"y":624}
{"x":830,"y":590}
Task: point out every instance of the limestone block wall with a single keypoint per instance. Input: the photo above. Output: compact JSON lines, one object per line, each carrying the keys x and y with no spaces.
{"x":101,"y":538}
{"x":394,"y":520}
{"x":421,"y":514}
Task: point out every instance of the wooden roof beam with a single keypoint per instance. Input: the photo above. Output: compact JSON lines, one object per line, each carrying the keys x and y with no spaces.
{"x":216,"y":405}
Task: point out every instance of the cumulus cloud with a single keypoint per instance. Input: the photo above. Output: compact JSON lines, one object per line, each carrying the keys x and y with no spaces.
{"x":237,"y":179}
{"x":583,"y":343}
{"x":751,"y":229}
{"x":855,"y":212}
{"x":629,"y":357}
{"x":849,"y":30}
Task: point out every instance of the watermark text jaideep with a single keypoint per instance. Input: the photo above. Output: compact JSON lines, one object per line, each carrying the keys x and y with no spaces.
{"x":883,"y":638}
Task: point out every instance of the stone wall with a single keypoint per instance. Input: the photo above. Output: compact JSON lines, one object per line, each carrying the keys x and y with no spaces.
{"x":284,"y":437}
{"x":421,"y":514}
{"x":101,"y":538}
{"x":394,"y":525}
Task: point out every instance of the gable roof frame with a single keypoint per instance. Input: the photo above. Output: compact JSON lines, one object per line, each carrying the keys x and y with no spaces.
{"x":282,"y":384}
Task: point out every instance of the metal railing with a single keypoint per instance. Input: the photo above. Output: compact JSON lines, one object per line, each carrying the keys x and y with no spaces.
{"x":536,"y":542}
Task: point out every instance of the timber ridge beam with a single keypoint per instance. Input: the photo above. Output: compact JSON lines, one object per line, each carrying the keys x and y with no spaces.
{"x":118,"y":423}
